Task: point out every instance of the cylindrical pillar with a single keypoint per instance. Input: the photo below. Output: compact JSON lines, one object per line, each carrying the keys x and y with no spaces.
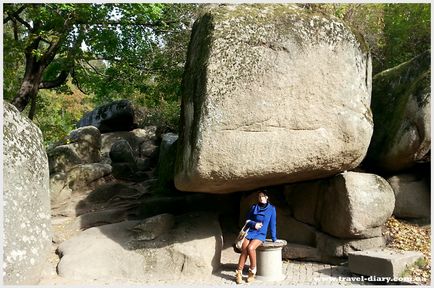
{"x":269,"y":261}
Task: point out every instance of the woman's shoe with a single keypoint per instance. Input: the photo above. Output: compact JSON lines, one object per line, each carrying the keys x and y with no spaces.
{"x":251,"y":277}
{"x":239,"y":276}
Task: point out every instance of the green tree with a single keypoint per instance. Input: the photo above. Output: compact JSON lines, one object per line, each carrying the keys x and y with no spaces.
{"x":394,"y":32}
{"x":109,"y":50}
{"x":407,"y":30}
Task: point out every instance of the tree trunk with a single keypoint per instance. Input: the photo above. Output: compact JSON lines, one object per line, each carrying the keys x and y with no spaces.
{"x":30,"y":85}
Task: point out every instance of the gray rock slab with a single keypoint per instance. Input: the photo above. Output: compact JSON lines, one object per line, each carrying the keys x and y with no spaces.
{"x":381,"y":262}
{"x":112,"y":252}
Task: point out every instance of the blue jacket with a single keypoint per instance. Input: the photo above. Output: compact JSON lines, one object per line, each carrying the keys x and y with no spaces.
{"x":267,"y":216}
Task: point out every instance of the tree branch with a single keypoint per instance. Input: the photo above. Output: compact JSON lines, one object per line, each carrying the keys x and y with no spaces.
{"x":76,"y":83}
{"x":19,"y":19}
{"x":19,"y":10}
{"x":61,"y":79}
{"x":51,"y":52}
{"x":127,"y":23}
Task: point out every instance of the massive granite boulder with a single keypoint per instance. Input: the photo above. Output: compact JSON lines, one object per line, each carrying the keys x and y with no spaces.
{"x":401,"y":106}
{"x":115,"y":116}
{"x":271,"y":94}
{"x":26,"y":200}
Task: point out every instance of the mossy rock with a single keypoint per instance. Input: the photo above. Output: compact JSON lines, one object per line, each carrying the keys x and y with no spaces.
{"x":401,"y":109}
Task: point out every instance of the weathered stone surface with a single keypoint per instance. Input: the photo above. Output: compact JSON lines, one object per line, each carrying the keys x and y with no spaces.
{"x":148,"y":149}
{"x":84,"y":148}
{"x":60,"y":193}
{"x":412,"y":196}
{"x":135,"y":138}
{"x":305,"y":200}
{"x":166,"y":162}
{"x":272,"y":94}
{"x":100,"y":253}
{"x":26,"y":200}
{"x":294,"y":231}
{"x":115,"y":116}
{"x":82,"y":176}
{"x":152,"y":227}
{"x":356,"y":202}
{"x":125,"y":165}
{"x":87,"y":144}
{"x":349,"y":205}
{"x":121,"y":152}
{"x":333,"y":247}
{"x":300,"y":252}
{"x":110,"y":197}
{"x":381,"y":262}
{"x":401,"y":105}
{"x":109,"y":252}
{"x":62,"y":158}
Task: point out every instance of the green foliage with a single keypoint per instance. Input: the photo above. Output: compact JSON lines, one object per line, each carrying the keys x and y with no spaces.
{"x":394,"y":32}
{"x":58,"y":112}
{"x":113,"y":51}
{"x":165,"y":115}
{"x":407,"y":32}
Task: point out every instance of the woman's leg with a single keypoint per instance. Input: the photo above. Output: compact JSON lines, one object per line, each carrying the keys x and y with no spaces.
{"x":243,"y":256}
{"x":251,"y":251}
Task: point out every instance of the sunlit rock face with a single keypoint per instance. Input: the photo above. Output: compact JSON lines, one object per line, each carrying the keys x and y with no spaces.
{"x":271,"y":94}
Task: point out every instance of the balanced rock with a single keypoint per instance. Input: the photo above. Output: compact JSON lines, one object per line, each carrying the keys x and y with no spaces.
{"x":271,"y":94}
{"x":401,"y":105}
{"x":26,"y":200}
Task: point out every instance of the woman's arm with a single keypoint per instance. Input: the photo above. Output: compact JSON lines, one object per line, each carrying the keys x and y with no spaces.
{"x":251,"y":223}
{"x":273,"y":224}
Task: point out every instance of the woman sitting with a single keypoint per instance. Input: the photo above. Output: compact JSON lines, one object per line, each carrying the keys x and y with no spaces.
{"x":261,"y":215}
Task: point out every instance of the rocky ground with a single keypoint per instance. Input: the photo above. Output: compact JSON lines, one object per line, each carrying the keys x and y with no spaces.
{"x":400,"y":234}
{"x":404,"y":235}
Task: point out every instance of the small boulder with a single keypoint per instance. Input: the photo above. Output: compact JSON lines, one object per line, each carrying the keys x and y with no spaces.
{"x":349,"y":205}
{"x":87,"y":143}
{"x":62,"y":158}
{"x":412,"y":195}
{"x":136,"y":138}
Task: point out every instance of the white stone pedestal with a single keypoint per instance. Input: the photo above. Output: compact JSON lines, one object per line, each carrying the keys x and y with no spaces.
{"x":269,"y":261}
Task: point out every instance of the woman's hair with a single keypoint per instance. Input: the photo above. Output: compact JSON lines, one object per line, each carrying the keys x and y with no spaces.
{"x":262,"y":193}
